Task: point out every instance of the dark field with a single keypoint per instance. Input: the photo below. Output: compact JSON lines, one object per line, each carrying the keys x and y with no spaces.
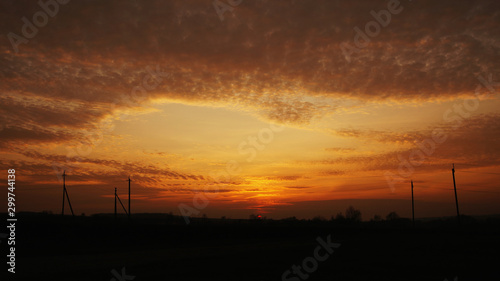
{"x":160,"y":247}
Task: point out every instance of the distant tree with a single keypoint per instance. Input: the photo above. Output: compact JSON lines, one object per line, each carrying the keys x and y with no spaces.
{"x":319,"y":218}
{"x":392,"y":216}
{"x":256,"y":217}
{"x":352,"y":214}
{"x":377,"y":218}
{"x":223,"y":217}
{"x":339,"y":217}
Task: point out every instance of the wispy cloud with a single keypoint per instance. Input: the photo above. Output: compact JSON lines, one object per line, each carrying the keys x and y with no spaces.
{"x":275,"y":61}
{"x":274,"y":50}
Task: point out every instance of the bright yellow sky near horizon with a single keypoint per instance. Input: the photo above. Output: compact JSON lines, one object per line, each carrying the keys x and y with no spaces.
{"x":173,"y":96}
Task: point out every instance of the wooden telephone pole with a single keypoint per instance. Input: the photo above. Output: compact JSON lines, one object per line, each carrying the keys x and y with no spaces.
{"x":412,"y":206}
{"x":115,"y":203}
{"x":65,"y":194}
{"x":455,"y":188}
{"x":129,"y":197}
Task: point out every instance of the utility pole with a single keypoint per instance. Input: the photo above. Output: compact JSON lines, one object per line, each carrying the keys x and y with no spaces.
{"x":455,"y":188}
{"x":412,"y":206}
{"x":129,"y":197}
{"x":115,"y":203}
{"x":65,"y":193}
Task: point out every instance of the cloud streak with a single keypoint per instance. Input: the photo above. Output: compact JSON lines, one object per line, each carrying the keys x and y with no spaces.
{"x":275,"y":61}
{"x":269,"y":59}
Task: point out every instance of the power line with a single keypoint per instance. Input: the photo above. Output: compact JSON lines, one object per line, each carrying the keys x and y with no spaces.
{"x":468,"y":164}
{"x":37,"y":188}
{"x":467,"y":190}
{"x":481,"y":191}
{"x":117,"y":197}
{"x":487,"y":173}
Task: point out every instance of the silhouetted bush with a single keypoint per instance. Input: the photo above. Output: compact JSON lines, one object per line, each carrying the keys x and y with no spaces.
{"x":319,"y":218}
{"x":352,"y":214}
{"x":392,"y":216}
{"x":340,"y":217}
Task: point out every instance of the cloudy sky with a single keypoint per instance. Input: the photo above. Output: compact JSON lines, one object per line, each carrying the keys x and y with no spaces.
{"x":285,"y":108}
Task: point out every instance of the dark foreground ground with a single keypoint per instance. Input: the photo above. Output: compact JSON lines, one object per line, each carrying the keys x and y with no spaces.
{"x":159,"y":248}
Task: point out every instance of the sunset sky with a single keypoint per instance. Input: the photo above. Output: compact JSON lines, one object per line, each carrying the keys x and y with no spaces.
{"x":282,"y":108}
